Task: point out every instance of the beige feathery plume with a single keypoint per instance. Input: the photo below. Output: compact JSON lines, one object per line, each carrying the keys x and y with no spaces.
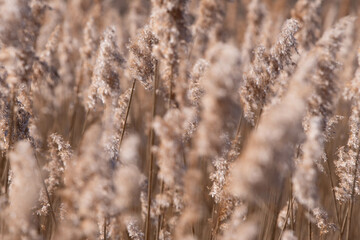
{"x":170,"y":130}
{"x":347,"y":165}
{"x":141,"y":61}
{"x":59,"y":158}
{"x":105,"y":80}
{"x":220,"y":108}
{"x":196,"y":85}
{"x":265,"y":68}
{"x":194,"y":209}
{"x":24,"y":189}
{"x":220,"y":99}
{"x":128,"y":177}
{"x":134,"y":229}
{"x":169,"y":23}
{"x":127,"y":182}
{"x":322,"y":102}
{"x":218,"y":178}
{"x":238,"y":227}
{"x":195,"y":93}
{"x":88,"y":192}
{"x":305,"y":177}
{"x":267,"y":158}
{"x":120,"y":110}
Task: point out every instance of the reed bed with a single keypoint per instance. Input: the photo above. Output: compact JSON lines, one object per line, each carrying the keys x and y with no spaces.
{"x":179,"y":119}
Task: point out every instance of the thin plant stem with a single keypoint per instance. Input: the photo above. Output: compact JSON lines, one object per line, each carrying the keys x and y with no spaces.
{"x":85,"y":123}
{"x":309,"y":229}
{"x":150,"y":174}
{"x":344,"y":221}
{"x":291,"y":207}
{"x":258,"y":119}
{"x":285,"y":223}
{"x":105,"y":230}
{"x":275,"y":216}
{"x":215,"y":219}
{"x":73,"y":117}
{"x":127,"y":114}
{"x":333,"y":193}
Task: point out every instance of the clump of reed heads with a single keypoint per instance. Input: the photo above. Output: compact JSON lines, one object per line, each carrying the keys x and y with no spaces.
{"x":198,"y":120}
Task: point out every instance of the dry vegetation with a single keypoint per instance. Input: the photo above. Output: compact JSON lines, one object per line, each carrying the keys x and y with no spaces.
{"x":179,"y":119}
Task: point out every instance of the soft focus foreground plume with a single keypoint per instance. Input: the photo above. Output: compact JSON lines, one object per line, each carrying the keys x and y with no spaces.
{"x":322,"y":103}
{"x":305,"y":176}
{"x":304,"y":179}
{"x":25,"y":185}
{"x":238,"y":228}
{"x":127,"y":172}
{"x":82,"y":176}
{"x":170,"y":130}
{"x":221,"y":82}
{"x":262,"y":165}
{"x":223,"y":78}
{"x":128,"y":182}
